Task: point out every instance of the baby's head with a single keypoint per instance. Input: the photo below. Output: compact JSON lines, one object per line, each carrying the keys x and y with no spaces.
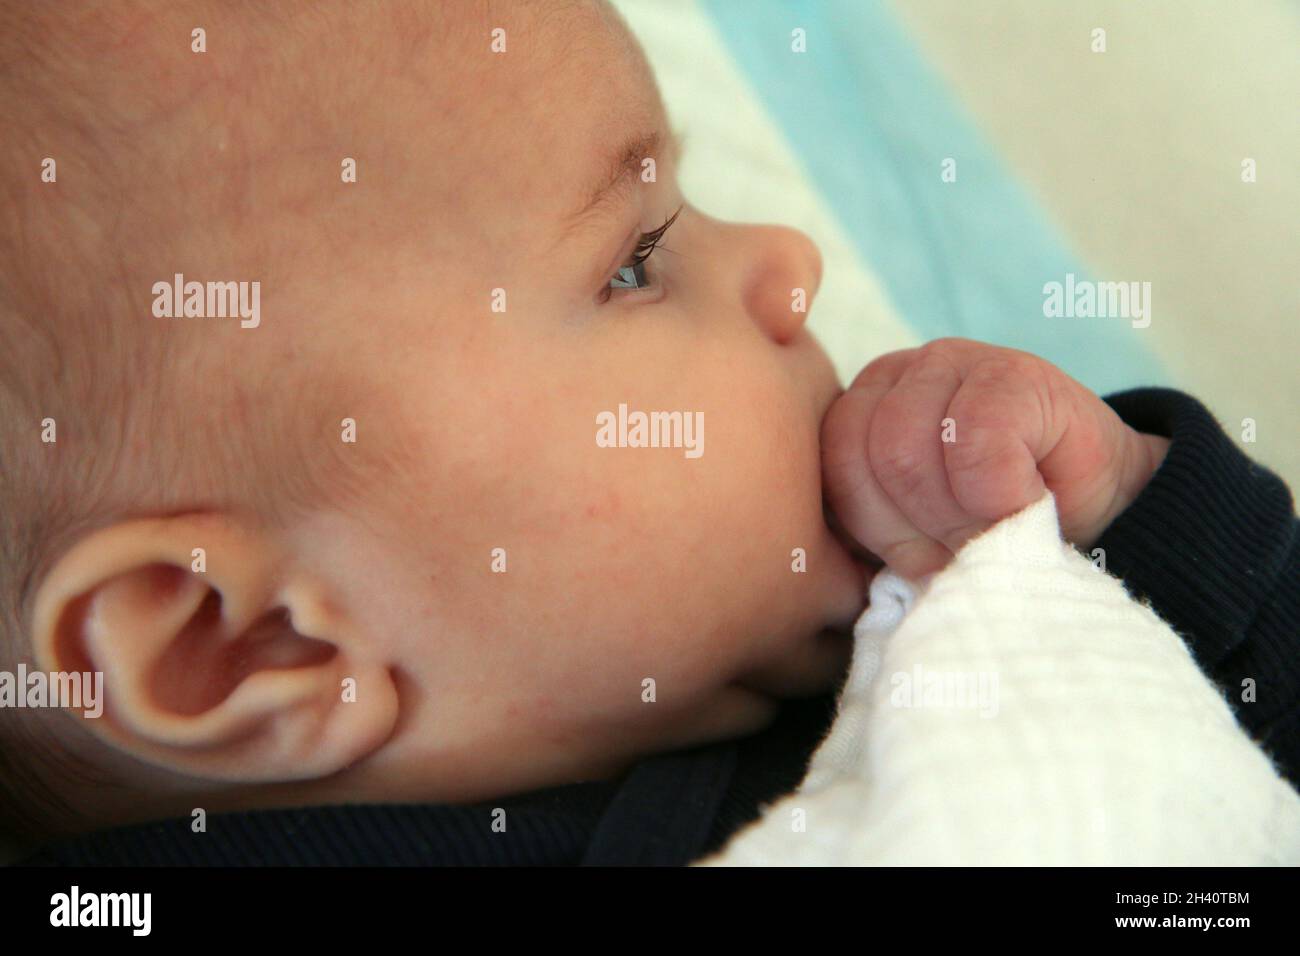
{"x":424,"y":574}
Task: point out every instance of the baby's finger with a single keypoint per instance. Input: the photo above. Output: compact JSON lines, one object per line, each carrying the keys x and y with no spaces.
{"x":853,"y":492}
{"x":907,"y":450}
{"x":885,"y":369}
{"x":844,"y":442}
{"x":998,"y":420}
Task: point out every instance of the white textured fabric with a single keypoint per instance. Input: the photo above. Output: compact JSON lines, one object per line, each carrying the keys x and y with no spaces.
{"x":1020,"y":708}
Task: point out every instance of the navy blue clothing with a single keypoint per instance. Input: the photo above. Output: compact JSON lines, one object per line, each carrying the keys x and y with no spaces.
{"x":1212,"y":543}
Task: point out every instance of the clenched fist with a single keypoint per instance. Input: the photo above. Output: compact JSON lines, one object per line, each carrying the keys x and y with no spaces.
{"x":929,"y":446}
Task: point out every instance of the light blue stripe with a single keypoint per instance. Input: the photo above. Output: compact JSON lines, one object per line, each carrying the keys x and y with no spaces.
{"x":872,"y":125}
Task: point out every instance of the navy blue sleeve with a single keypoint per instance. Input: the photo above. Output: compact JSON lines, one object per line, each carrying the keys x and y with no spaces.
{"x":1213,"y":544}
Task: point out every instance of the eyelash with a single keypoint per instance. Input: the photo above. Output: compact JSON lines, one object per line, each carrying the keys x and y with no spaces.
{"x":645,"y":247}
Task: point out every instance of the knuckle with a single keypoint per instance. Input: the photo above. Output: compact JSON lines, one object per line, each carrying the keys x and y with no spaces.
{"x":881,"y":369}
{"x":1009,"y":368}
{"x":946,"y":345}
{"x":998,"y":369}
{"x":940,"y":355}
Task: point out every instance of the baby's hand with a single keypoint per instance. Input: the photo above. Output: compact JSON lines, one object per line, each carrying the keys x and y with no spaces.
{"x":929,"y":446}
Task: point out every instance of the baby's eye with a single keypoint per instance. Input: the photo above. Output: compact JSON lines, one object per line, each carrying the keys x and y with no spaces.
{"x":630,"y":277}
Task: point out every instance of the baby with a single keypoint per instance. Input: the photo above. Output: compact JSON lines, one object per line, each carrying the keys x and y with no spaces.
{"x":357,"y":534}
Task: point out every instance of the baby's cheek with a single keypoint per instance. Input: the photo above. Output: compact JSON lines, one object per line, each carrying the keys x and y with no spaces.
{"x":772,"y":437}
{"x":603,"y":507}
{"x":649,"y":577}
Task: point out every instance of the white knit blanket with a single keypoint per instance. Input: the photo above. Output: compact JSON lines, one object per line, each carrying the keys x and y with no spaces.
{"x":1021,"y":708}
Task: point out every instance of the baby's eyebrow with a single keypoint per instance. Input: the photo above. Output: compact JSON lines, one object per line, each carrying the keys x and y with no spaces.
{"x":625,"y":164}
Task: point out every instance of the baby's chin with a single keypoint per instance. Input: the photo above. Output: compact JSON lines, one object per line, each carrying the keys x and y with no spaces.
{"x":815,"y":661}
{"x":818,"y":668}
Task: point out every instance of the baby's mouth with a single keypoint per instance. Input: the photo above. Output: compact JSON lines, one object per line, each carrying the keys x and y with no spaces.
{"x":866,"y":562}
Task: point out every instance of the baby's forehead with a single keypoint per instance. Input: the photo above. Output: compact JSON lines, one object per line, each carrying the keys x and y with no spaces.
{"x":555,"y":85}
{"x":519,"y":110}
{"x":463,"y":119}
{"x":518,"y":98}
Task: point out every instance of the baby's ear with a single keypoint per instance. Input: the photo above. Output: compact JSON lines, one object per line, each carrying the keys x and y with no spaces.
{"x":221,"y":656}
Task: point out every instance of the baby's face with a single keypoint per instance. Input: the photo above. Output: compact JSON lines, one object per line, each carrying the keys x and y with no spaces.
{"x":548,"y":607}
{"x":642,"y":598}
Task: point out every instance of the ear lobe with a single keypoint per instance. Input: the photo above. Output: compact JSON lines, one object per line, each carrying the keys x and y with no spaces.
{"x":233,"y":673}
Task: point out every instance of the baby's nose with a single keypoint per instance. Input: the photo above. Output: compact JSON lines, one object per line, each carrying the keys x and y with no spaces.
{"x":784,"y":281}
